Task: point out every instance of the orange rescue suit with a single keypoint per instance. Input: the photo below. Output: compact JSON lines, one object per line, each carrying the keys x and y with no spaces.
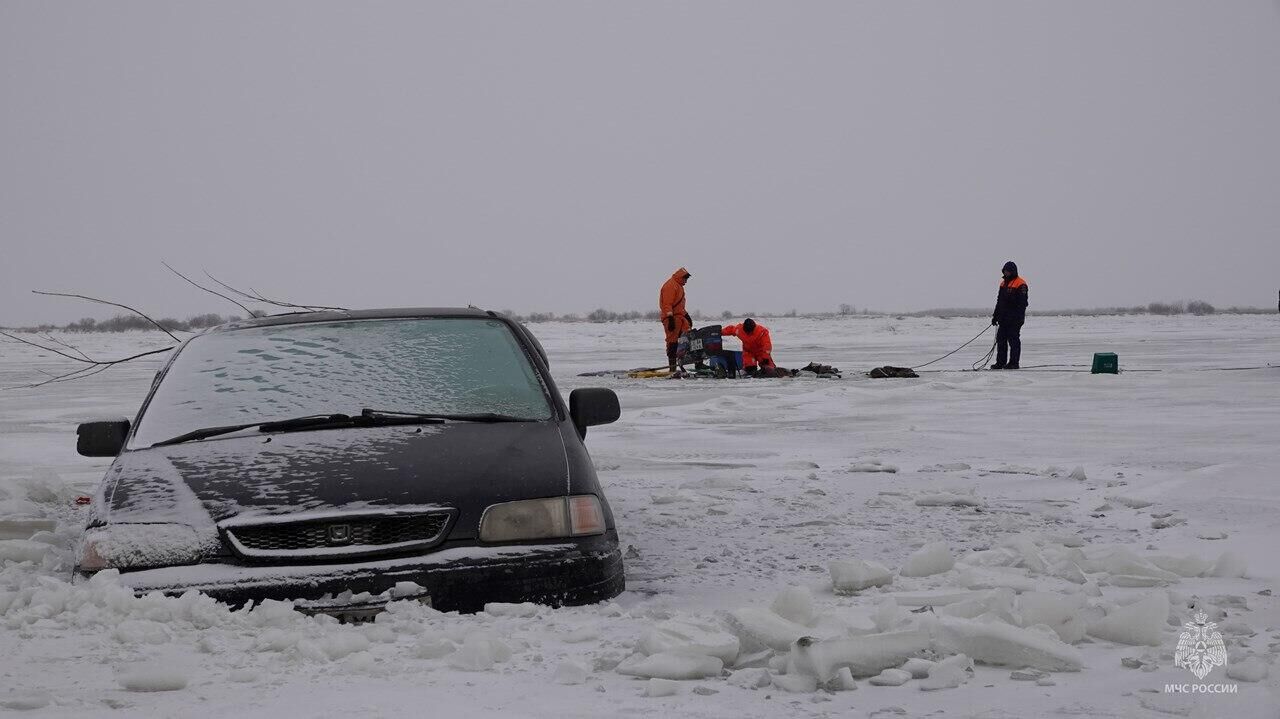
{"x":671,"y":305}
{"x":757,"y":347}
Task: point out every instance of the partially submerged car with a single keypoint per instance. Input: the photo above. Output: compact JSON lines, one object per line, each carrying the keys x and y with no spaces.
{"x":347,"y":458}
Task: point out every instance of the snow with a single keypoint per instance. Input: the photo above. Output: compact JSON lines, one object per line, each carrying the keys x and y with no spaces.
{"x":765,"y":504}
{"x":1250,"y":669}
{"x":153,"y":677}
{"x":569,"y":673}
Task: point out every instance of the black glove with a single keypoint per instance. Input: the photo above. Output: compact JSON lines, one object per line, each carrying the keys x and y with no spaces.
{"x":671,"y":323}
{"x":994,"y":322}
{"x":688,"y":319}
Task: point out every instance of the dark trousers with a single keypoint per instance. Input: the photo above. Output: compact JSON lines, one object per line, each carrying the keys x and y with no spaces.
{"x":1008,"y":344}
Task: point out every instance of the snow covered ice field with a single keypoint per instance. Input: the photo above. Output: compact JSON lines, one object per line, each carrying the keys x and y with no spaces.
{"x":1082,"y":520}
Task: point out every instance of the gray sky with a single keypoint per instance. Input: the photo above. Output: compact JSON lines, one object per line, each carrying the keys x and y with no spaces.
{"x":563,"y":156}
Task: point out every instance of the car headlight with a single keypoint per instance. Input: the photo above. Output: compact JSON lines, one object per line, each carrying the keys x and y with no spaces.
{"x":139,"y":546}
{"x":576,"y":516}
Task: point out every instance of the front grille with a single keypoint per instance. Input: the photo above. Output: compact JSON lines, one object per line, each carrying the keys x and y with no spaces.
{"x":339,"y":535}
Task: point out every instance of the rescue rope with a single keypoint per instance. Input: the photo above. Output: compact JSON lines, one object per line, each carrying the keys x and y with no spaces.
{"x":966,"y":344}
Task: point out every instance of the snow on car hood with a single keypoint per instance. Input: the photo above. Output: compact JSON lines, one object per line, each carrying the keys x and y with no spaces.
{"x":465,"y":465}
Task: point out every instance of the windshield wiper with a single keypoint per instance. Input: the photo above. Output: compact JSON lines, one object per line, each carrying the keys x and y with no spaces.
{"x":310,"y":420}
{"x":465,"y":417}
{"x":366,"y":418}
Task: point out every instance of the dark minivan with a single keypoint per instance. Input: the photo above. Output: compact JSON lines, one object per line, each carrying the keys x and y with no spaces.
{"x":345,"y":459}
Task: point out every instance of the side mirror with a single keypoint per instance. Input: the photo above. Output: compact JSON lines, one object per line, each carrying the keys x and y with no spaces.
{"x":102,"y":439}
{"x":593,"y":406}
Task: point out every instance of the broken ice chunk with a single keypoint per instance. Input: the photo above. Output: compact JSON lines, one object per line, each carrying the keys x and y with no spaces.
{"x":1140,"y":623}
{"x":855,"y":575}
{"x":933,"y":558}
{"x":666,"y":665}
{"x":998,"y":643}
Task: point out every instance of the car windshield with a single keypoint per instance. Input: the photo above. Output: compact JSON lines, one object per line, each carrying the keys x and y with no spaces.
{"x":435,"y":365}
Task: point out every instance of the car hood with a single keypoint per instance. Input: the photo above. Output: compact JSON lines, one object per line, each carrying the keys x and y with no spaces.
{"x":466,"y":466}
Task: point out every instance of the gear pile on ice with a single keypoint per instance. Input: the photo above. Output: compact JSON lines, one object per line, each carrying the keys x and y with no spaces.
{"x":822,"y":370}
{"x":887,"y":371}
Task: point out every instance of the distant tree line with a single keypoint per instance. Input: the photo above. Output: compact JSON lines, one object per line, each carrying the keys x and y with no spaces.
{"x":125,"y":323}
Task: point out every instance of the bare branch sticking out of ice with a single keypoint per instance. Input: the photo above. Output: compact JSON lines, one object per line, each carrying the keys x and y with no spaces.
{"x":864,"y":656}
{"x":948,"y":499}
{"x":872,"y":466}
{"x":931,"y":559}
{"x":667,"y":665}
{"x":689,"y":638}
{"x":994,"y":642}
{"x":855,"y":575}
{"x":1140,"y":623}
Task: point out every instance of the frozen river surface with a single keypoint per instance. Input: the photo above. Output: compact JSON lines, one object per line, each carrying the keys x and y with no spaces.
{"x":1077,"y":508}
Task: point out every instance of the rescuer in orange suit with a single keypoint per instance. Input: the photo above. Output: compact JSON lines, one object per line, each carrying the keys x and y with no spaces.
{"x":757,"y":345}
{"x":675,"y":319}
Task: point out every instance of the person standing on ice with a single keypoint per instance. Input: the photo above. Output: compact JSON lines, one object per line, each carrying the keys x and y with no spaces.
{"x":757,"y":345}
{"x":1010,"y":313}
{"x":675,"y":319}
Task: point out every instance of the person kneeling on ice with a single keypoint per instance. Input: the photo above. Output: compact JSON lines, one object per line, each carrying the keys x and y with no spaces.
{"x":757,"y":346}
{"x":1010,"y":313}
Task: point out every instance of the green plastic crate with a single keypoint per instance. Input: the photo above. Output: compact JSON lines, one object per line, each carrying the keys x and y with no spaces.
{"x":1106,"y":363}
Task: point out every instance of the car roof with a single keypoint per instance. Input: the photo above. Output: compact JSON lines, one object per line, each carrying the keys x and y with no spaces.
{"x":293,"y":318}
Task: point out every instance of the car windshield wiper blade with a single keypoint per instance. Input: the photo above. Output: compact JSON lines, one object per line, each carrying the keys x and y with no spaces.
{"x":366,"y":418}
{"x":464,"y":417}
{"x":282,"y":425}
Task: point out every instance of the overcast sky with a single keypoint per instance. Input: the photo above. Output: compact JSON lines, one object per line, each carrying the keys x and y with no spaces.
{"x":565,"y":156}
